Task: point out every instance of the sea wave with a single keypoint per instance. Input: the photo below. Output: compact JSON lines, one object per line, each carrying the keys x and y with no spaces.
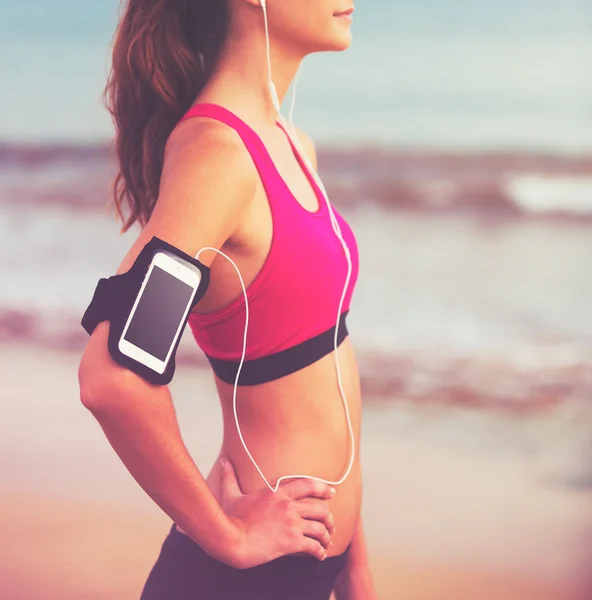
{"x":519,"y":380}
{"x":519,"y":185}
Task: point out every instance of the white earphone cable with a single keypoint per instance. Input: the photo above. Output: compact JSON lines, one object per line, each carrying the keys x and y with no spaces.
{"x":274,"y":97}
{"x":337,"y":231}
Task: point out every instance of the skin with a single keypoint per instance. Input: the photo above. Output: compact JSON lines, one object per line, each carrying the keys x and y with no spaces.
{"x":295,"y":424}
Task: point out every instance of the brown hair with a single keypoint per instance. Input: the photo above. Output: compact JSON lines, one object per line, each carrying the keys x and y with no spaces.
{"x":163,"y":53}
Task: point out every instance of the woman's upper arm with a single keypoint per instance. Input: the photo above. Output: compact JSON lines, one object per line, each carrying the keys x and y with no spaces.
{"x":207,"y":184}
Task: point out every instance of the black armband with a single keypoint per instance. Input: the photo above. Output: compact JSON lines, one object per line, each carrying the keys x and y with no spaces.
{"x":115,"y":296}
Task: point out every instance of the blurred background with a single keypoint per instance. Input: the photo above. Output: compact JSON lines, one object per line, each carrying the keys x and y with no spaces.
{"x":457,"y":140}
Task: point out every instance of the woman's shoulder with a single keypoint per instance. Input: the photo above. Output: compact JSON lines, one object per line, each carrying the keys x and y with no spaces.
{"x":206,"y":160}
{"x":203,"y":135}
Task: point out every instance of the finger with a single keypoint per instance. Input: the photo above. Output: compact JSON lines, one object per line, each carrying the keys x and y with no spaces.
{"x":301,"y":488}
{"x":317,"y":511}
{"x":313,"y":548}
{"x":316,"y":530}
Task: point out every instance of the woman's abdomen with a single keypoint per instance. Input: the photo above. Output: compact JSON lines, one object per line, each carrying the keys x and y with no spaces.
{"x":297,"y":425}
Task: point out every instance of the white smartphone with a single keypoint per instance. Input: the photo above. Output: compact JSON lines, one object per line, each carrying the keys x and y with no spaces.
{"x":157,"y":316}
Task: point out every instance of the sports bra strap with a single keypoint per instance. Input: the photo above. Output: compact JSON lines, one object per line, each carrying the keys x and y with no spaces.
{"x":252,"y":141}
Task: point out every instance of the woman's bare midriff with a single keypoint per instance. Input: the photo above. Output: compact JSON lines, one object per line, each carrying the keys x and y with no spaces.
{"x":297,"y":425}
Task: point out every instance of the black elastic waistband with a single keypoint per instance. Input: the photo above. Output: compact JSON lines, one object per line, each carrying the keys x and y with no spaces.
{"x":280,"y":364}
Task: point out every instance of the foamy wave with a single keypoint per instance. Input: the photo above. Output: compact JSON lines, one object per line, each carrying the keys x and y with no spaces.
{"x":551,"y":194}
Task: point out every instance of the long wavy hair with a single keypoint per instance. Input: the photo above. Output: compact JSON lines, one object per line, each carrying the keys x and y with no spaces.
{"x":163,"y":54}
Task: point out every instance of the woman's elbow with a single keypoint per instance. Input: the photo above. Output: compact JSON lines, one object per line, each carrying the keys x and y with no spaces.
{"x":101,"y":384}
{"x":97,"y":387}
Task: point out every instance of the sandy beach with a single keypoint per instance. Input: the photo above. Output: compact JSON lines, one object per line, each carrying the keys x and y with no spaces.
{"x":459,"y":504}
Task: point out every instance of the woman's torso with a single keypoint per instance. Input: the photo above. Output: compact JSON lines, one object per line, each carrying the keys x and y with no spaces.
{"x":295,"y":425}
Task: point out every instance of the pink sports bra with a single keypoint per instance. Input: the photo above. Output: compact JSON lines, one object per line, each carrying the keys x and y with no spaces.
{"x":294,"y":298}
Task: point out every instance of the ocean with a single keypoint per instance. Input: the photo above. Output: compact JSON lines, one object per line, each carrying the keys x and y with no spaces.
{"x":440,"y":74}
{"x":456,"y":139}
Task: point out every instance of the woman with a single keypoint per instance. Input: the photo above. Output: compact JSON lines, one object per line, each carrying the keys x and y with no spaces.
{"x":207,"y":162}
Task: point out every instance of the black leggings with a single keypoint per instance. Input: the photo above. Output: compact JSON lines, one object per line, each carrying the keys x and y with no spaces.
{"x":183,"y":571}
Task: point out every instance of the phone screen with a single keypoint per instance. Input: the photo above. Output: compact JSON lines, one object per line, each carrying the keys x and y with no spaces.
{"x":159,"y":313}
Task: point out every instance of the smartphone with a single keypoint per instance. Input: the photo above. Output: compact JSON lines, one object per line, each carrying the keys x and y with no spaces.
{"x":159,"y":311}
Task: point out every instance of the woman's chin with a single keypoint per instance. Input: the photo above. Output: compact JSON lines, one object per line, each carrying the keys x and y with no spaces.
{"x":337,"y":43}
{"x":343,"y":41}
{"x":343,"y":47}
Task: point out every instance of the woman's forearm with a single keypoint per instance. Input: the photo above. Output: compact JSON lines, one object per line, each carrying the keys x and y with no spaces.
{"x":140,"y":423}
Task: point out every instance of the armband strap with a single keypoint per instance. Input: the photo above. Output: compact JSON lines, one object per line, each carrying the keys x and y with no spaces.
{"x":114,"y":297}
